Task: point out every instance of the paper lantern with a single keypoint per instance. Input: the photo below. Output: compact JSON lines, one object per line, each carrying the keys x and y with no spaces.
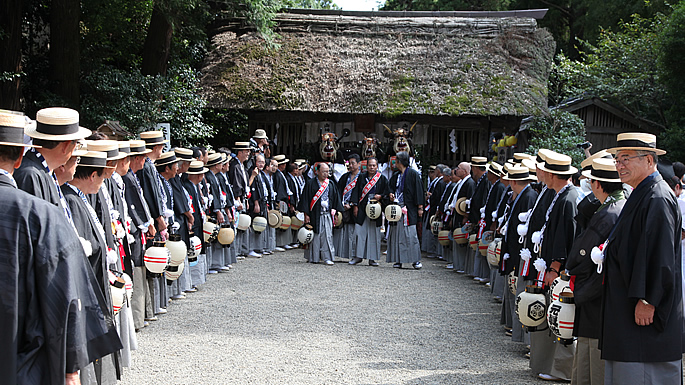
{"x":156,"y":258}
{"x":210,"y":230}
{"x":444,"y":237}
{"x":530,"y":306}
{"x":306,"y":234}
{"x":373,"y":209}
{"x":174,"y":272}
{"x":561,"y":316}
{"x":559,"y":284}
{"x":226,"y":234}
{"x":393,"y":213}
{"x":244,"y":222}
{"x":259,"y":224}
{"x":177,"y":248}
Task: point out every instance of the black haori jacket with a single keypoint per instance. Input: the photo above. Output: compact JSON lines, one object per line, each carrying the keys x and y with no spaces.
{"x":510,"y":243}
{"x":413,"y":193}
{"x":381,"y":189}
{"x":310,"y":189}
{"x":643,"y":261}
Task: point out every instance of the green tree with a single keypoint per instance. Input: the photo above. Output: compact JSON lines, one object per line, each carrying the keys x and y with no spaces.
{"x":671,"y":59}
{"x":559,"y":131}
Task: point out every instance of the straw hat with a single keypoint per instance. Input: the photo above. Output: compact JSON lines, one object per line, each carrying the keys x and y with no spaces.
{"x":12,"y":129}
{"x":153,"y":138}
{"x":518,"y":172}
{"x":479,"y":161}
{"x":494,"y":168}
{"x":225,"y":158}
{"x":166,"y":158}
{"x":241,"y":146}
{"x":213,"y":160}
{"x":587,"y":163}
{"x":124,"y":146}
{"x":57,"y":124}
{"x":196,"y":167}
{"x":638,"y":141}
{"x":462,"y":206}
{"x":558,"y":164}
{"x":110,"y":147}
{"x":542,"y":156}
{"x":93,"y":159}
{"x":260,"y":134}
{"x":184,"y":154}
{"x":602,"y":169}
{"x":137,"y":147}
{"x":520,"y":156}
{"x":278,"y":158}
{"x":532,"y":167}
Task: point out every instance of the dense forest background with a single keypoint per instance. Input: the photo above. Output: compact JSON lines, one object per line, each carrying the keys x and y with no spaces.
{"x":137,"y":61}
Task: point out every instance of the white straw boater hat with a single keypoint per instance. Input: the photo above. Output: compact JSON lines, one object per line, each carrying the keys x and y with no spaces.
{"x":602,"y":169}
{"x":637,"y":141}
{"x":124,"y":146}
{"x":196,"y":167}
{"x":241,"y":146}
{"x":587,"y":163}
{"x":137,"y":147}
{"x":93,"y":159}
{"x":153,"y":138}
{"x":58,"y":124}
{"x":110,"y":147}
{"x":184,"y":154}
{"x":213,"y":159}
{"x":166,"y":158}
{"x":556,"y":163}
{"x":12,"y":129}
{"x":532,"y":167}
{"x":542,"y":156}
{"x":494,"y":168}
{"x":518,"y":172}
{"x":479,"y":161}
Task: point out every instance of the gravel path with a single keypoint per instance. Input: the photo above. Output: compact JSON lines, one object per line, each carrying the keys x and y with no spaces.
{"x":279,"y":320}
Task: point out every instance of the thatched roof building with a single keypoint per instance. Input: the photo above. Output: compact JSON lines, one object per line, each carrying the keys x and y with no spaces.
{"x":475,"y":72}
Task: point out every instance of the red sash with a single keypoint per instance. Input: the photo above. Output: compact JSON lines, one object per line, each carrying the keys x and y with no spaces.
{"x":350,"y":186}
{"x":318,"y":194}
{"x":370,"y":185}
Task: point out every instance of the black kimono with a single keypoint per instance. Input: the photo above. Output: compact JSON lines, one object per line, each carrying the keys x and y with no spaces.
{"x":510,"y":243}
{"x":478,"y":200}
{"x":214,"y":189}
{"x":196,"y":205}
{"x":536,"y":222}
{"x":494,"y":197}
{"x":33,"y":178}
{"x":239,"y":179}
{"x":292,"y":184}
{"x":260,"y":194}
{"x":436,"y":189}
{"x":587,"y":291}
{"x":51,"y":317}
{"x":118,"y":203}
{"x":281,"y":187}
{"x":181,"y":207}
{"x":348,"y":215}
{"x":561,"y":229}
{"x":467,"y":189}
{"x":413,"y":195}
{"x":444,"y":198}
{"x":380,"y":188}
{"x":310,"y":189}
{"x":586,"y":209}
{"x":643,"y":261}
{"x":149,"y":182}
{"x":226,"y":188}
{"x":140,"y":216}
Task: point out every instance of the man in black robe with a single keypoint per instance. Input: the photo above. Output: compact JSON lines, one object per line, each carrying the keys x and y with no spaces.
{"x":642,"y":312}
{"x":238,"y":175}
{"x":476,"y":263}
{"x":492,"y":199}
{"x":442,"y":213}
{"x":588,"y":367}
{"x":215,"y":210}
{"x":372,"y":185}
{"x":52,"y":326}
{"x":343,"y":237}
{"x":465,"y":189}
{"x":320,"y":200}
{"x":436,"y":186}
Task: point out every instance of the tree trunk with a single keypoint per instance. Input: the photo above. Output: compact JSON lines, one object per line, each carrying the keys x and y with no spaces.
{"x":64,"y":49}
{"x":157,"y":47}
{"x":10,"y":46}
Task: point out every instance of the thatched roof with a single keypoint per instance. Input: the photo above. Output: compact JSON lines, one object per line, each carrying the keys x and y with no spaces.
{"x":436,"y":65}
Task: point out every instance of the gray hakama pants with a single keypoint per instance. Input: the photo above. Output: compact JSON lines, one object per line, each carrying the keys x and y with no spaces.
{"x":258,"y":242}
{"x":368,"y":239}
{"x":424,"y":236}
{"x":518,"y":331}
{"x":643,"y":373}
{"x":460,"y":257}
{"x":283,"y":237}
{"x":508,"y":305}
{"x":270,"y":239}
{"x":321,"y":248}
{"x":345,"y":241}
{"x":230,"y":254}
{"x":549,"y":356}
{"x":138,"y":297}
{"x":496,"y":282}
{"x":405,"y":240}
{"x":153,"y":284}
{"x":393,"y":247}
{"x":215,"y":253}
{"x":588,"y":366}
{"x":293,"y":237}
{"x":198,"y":273}
{"x":127,"y":333}
{"x":243,"y":238}
{"x":470,"y":259}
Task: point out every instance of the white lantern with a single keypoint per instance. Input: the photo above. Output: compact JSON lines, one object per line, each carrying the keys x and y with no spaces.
{"x":195,"y":248}
{"x":473,"y":242}
{"x":436,"y":227}
{"x":285,"y":224}
{"x":117,"y":290}
{"x":306,"y":234}
{"x":244,"y":222}
{"x":512,"y":282}
{"x":259,"y":224}
{"x":559,"y":284}
{"x":444,"y":237}
{"x":393,"y":213}
{"x":275,"y":218}
{"x":561,"y":316}
{"x":483,"y":246}
{"x":295,"y":223}
{"x":156,"y":258}
{"x":210,"y":230}
{"x":530,"y":306}
{"x":373,"y":209}
{"x":494,"y":252}
{"x":177,"y":248}
{"x":226,"y":234}
{"x":460,"y":237}
{"x":173,"y":272}
{"x":128,"y":286}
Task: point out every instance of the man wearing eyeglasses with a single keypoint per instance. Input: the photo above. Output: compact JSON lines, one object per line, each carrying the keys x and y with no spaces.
{"x":642,"y":313}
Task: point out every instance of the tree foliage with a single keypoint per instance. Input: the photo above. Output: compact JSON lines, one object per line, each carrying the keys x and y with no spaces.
{"x":559,"y":131}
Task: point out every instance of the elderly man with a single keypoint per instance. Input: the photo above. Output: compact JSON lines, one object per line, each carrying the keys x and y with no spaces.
{"x":436,"y":186}
{"x":320,"y":200}
{"x":642,"y":317}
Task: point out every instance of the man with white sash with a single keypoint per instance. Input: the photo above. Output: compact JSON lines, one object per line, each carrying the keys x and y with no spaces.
{"x":320,"y":201}
{"x":465,"y":189}
{"x":372,"y":185}
{"x":436,"y":186}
